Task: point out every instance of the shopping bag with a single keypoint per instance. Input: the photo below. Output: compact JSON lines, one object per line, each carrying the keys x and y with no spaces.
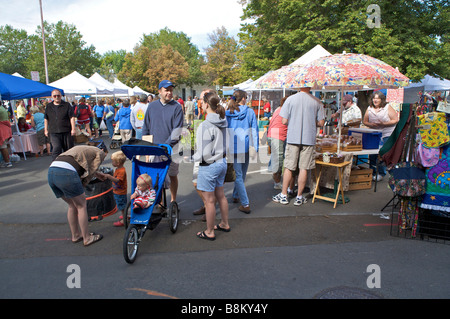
{"x":407,"y":179}
{"x":230,"y":176}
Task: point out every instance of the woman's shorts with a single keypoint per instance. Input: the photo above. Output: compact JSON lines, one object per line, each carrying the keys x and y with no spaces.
{"x":42,"y":139}
{"x":277,"y":148}
{"x":212,"y":176}
{"x":121,"y":201}
{"x":64,"y":183}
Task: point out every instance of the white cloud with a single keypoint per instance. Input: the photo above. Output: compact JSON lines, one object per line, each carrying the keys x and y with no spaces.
{"x":120,"y":24}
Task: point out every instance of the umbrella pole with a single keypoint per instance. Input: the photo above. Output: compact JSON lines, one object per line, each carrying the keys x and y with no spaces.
{"x":259,"y":105}
{"x":340,"y":120}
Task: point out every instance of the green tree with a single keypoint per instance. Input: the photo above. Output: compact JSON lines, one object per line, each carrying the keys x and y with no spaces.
{"x":413,"y":34}
{"x":111,"y":64}
{"x":222,"y":59}
{"x":14,"y":51}
{"x":146,"y":68}
{"x":181,"y":43}
{"x":66,"y":52}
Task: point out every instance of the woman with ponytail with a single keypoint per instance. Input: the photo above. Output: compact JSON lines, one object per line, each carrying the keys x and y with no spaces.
{"x":244,"y":142}
{"x":211,"y":152}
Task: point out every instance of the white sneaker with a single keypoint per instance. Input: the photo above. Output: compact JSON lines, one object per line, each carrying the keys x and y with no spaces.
{"x":9,"y":164}
{"x":299,"y":201}
{"x":277,"y":185}
{"x":280,"y":198}
{"x":378,"y":178}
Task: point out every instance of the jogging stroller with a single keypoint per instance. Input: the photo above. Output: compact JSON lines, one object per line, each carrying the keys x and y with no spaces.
{"x":147,"y":218}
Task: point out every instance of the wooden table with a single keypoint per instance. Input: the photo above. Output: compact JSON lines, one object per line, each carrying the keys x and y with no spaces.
{"x":340,"y":167}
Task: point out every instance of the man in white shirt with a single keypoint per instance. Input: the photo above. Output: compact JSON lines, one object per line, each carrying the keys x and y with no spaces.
{"x":138,"y":114}
{"x":351,"y":112}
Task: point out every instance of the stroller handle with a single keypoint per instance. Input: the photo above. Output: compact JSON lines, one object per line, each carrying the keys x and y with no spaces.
{"x":137,"y":147}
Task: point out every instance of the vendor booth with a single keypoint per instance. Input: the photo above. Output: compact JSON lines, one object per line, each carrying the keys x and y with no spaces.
{"x":16,"y":88}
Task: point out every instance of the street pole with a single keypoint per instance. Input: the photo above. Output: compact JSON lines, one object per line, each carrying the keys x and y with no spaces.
{"x":43,"y":43}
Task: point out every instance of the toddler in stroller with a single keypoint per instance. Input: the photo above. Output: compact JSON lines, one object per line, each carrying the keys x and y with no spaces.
{"x":144,"y":195}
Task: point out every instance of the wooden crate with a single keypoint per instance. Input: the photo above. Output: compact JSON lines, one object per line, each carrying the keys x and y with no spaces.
{"x":352,"y":148}
{"x":360,"y":179}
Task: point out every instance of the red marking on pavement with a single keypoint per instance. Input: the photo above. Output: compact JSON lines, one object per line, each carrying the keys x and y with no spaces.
{"x":152,"y":293}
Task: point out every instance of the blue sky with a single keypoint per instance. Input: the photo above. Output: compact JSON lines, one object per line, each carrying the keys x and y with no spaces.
{"x":120,"y":24}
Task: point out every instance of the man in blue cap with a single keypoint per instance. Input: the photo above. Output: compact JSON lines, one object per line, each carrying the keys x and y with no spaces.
{"x":164,"y":121}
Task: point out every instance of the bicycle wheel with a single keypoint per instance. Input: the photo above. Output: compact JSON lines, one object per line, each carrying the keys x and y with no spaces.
{"x":131,"y":242}
{"x":173,"y":215}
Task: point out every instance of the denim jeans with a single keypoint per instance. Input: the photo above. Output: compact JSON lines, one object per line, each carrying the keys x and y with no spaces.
{"x":240,"y":168}
{"x":110,"y":127}
{"x":138,"y":133}
{"x":373,"y":161}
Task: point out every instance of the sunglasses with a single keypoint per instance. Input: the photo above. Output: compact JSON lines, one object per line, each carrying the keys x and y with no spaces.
{"x":56,"y":95}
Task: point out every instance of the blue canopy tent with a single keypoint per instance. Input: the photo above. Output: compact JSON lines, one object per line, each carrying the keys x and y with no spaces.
{"x":17,"y":88}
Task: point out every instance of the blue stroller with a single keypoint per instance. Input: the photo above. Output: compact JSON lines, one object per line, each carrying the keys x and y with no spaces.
{"x":142,"y":219}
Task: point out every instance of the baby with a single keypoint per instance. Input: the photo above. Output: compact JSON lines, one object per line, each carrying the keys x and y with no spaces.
{"x":144,"y":195}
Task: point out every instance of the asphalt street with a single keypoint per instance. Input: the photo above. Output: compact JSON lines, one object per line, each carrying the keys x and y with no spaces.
{"x":275,"y":252}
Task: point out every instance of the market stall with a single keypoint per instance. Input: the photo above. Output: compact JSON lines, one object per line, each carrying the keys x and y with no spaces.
{"x":15,"y":88}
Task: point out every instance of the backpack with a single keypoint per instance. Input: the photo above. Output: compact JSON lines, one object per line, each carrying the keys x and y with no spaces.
{"x":81,"y":107}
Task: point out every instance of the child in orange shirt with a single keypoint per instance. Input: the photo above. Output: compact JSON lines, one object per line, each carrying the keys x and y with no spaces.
{"x":119,"y":181}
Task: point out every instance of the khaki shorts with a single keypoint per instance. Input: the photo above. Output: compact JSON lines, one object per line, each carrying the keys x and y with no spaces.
{"x":299,"y":156}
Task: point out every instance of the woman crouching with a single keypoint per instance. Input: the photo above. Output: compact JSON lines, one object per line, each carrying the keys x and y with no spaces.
{"x":67,"y":176}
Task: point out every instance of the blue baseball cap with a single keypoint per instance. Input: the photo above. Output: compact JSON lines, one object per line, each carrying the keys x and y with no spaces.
{"x":165,"y":84}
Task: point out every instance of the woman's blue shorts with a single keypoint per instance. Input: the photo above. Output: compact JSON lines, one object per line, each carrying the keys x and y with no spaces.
{"x":64,"y":182}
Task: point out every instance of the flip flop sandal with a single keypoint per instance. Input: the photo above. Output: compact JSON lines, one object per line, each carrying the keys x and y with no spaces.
{"x":95,"y":238}
{"x":226,"y":230}
{"x":78,"y":240}
{"x":202,"y":235}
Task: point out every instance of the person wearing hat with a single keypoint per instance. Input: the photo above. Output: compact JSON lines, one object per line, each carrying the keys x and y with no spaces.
{"x":164,"y":121}
{"x":351,"y":112}
{"x":68,"y":174}
{"x":138,"y":114}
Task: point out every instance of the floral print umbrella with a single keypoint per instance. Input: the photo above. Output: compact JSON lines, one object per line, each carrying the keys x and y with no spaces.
{"x":350,"y":71}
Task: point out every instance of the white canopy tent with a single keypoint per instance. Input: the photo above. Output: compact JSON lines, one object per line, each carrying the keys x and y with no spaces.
{"x":137,"y":90}
{"x":428,"y":83}
{"x":119,"y":84}
{"x":317,"y":52}
{"x":76,"y":84}
{"x":102,"y":82}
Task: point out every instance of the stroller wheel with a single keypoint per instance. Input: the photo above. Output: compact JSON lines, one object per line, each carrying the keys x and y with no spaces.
{"x":173,"y":215}
{"x":127,"y":215}
{"x":131,"y":243}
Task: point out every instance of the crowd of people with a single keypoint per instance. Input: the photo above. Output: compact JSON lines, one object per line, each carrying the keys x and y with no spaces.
{"x":228,"y":134}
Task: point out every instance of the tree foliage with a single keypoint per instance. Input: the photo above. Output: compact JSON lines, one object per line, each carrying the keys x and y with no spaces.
{"x":181,"y":43}
{"x":14,"y":50}
{"x":146,"y":68}
{"x":222,"y":56}
{"x":66,"y":52}
{"x":413,"y":35}
{"x":111,"y":64}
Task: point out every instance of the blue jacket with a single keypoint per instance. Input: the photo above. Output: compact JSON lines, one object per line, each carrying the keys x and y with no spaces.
{"x":242,"y":130}
{"x":123,"y":116}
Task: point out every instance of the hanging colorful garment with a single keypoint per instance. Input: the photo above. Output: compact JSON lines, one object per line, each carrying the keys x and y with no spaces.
{"x":437,"y":196}
{"x":408,"y":214}
{"x":427,"y":157}
{"x":433,"y":129}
